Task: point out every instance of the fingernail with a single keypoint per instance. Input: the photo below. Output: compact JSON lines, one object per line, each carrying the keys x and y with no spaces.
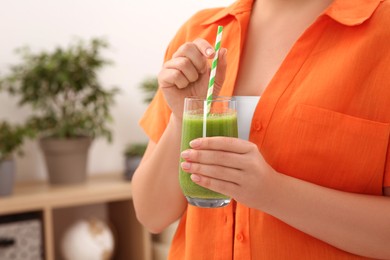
{"x":185,"y":165}
{"x":195,"y":178}
{"x":209,"y":51}
{"x":185,"y":154}
{"x":195,"y":143}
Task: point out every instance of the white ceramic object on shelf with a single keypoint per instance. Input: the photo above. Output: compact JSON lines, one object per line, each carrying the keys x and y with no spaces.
{"x":90,"y":239}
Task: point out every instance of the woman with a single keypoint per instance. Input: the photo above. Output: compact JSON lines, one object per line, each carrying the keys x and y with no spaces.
{"x":313,"y":181}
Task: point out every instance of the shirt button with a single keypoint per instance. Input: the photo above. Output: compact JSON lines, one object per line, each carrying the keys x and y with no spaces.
{"x":240,"y":237}
{"x":258,"y":126}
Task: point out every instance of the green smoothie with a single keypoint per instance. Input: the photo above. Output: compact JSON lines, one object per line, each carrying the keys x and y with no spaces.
{"x":217,"y":125}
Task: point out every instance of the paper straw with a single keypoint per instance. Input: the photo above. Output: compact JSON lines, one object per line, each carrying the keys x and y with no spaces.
{"x":209,"y":97}
{"x":214,"y":68}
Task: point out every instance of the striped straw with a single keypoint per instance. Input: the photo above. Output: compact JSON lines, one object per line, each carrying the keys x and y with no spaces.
{"x":209,"y":97}
{"x":214,"y":68}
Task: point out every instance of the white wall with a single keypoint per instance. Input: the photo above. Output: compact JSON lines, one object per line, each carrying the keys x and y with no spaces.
{"x":138,"y":32}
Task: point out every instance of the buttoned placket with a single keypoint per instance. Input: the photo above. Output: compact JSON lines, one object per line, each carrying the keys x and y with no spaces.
{"x":241,"y":236}
{"x":242,"y":248}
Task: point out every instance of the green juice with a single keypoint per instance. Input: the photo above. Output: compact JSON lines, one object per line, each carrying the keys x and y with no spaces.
{"x":217,"y":125}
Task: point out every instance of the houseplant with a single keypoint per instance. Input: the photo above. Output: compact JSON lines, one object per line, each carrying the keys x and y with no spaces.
{"x":149,"y":86}
{"x":70,"y":106}
{"x":11,"y":141}
{"x":133,"y":152}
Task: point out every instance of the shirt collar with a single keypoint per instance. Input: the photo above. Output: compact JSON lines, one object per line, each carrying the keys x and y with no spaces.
{"x":237,"y":7}
{"x":352,"y":12}
{"x":343,"y":11}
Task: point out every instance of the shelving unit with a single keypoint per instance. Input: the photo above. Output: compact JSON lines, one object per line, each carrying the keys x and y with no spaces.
{"x":56,"y":202}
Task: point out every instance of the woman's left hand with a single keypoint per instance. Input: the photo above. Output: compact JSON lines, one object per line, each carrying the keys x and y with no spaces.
{"x":231,"y":166}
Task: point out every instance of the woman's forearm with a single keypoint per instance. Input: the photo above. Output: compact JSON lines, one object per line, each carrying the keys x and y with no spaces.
{"x":356,"y":223}
{"x":158,"y":199}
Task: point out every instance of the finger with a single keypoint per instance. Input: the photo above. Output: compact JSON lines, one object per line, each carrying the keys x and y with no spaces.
{"x":172,"y":77}
{"x":213,"y":171}
{"x":222,"y":158}
{"x":185,"y":66}
{"x":197,"y":52}
{"x":221,"y":143}
{"x":221,"y":71}
{"x":205,"y":47}
{"x":220,"y":186}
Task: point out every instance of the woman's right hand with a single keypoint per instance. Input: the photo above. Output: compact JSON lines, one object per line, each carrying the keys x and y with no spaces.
{"x":187,"y":74}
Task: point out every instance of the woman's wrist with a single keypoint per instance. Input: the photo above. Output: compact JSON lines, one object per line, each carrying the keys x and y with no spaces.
{"x":272,"y":190}
{"x":175,"y":122}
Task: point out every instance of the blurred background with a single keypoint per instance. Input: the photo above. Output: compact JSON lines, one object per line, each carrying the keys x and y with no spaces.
{"x":95,"y":219}
{"x":138,"y":33}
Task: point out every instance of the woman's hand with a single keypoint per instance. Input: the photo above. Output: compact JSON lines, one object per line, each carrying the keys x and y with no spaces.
{"x":230,"y":166}
{"x":187,"y":74}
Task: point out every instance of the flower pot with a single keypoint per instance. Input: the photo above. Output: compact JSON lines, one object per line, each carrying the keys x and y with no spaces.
{"x":7,"y":176}
{"x":131,"y":164}
{"x":66,"y":159}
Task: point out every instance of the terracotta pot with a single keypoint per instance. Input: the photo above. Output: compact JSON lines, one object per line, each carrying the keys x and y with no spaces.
{"x":7,"y":176}
{"x":66,"y":159}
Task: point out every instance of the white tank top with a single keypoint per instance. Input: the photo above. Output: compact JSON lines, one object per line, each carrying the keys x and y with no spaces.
{"x":246,"y":106}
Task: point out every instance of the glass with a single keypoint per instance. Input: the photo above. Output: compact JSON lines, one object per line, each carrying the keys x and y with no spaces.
{"x":221,"y":121}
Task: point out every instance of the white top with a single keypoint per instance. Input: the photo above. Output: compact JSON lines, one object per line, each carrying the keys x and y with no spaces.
{"x":246,"y":106}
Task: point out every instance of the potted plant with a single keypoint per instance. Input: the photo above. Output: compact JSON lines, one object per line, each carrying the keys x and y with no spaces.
{"x":70,"y":106}
{"x":11,"y":140}
{"x":133,"y":152}
{"x":149,"y":86}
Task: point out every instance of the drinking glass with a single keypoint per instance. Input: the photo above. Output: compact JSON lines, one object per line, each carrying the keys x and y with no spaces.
{"x":199,"y":120}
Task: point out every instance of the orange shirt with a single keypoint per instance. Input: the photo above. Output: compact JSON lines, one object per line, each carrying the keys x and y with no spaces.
{"x":324,"y":118}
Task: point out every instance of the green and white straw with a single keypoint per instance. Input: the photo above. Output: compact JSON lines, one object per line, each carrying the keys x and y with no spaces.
{"x":214,"y":68}
{"x":210,"y":89}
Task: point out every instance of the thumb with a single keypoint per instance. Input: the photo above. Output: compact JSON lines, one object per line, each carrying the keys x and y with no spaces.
{"x":221,"y":71}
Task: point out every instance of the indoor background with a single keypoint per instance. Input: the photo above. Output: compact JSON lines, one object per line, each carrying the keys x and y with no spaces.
{"x":138,"y":33}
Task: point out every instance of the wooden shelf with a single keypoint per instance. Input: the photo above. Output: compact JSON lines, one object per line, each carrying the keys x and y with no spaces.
{"x":110,"y":190}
